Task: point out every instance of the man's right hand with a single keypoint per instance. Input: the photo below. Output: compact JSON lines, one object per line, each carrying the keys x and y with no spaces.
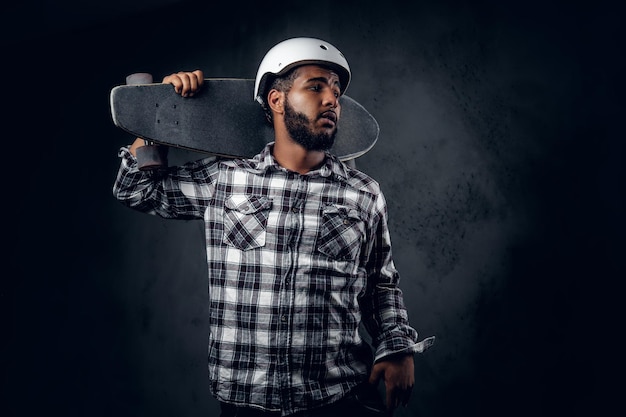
{"x":185,"y":83}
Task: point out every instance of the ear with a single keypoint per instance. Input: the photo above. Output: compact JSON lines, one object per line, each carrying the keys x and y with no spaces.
{"x":275,"y":99}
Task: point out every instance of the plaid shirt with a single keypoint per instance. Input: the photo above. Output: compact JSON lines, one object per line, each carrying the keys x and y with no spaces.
{"x":296,"y":263}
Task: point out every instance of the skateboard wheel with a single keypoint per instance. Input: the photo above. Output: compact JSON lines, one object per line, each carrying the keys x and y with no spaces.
{"x":139,"y":78}
{"x":151,"y":157}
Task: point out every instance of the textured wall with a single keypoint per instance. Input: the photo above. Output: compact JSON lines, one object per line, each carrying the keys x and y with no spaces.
{"x":500,"y":155}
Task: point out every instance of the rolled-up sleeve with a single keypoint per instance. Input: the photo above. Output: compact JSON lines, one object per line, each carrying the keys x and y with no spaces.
{"x":181,"y":192}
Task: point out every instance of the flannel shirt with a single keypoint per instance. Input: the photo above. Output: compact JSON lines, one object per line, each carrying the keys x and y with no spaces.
{"x":296,"y":264}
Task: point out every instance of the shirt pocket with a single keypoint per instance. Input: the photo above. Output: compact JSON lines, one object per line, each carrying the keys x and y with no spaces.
{"x":341,"y":233}
{"x":245,"y":220}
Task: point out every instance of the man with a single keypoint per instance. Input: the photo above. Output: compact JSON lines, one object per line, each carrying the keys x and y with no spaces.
{"x":298,"y":252}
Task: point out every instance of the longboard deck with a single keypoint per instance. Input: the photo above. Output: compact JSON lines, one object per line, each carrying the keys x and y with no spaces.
{"x":223,"y":119}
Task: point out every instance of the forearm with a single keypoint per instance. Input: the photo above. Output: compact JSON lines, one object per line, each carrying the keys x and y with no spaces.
{"x":386,"y":316}
{"x":388,"y":322}
{"x":180,"y":192}
{"x":134,"y":188}
{"x":139,"y":142}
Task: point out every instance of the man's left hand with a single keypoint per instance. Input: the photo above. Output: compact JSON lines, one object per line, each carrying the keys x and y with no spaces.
{"x":397,"y":372}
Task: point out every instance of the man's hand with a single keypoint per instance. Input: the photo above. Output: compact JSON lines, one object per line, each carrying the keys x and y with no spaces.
{"x":185,"y":83}
{"x":397,"y":372}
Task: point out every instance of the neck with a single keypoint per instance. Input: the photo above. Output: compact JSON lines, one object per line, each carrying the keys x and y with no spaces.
{"x":295,"y":158}
{"x":292,"y":156}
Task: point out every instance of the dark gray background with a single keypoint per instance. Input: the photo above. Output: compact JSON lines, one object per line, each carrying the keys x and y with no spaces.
{"x":500,"y":154}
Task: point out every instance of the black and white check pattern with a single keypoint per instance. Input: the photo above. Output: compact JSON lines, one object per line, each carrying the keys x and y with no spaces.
{"x":295,"y":264}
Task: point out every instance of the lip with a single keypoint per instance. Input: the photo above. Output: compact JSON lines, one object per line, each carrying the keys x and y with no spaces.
{"x":329,"y":115}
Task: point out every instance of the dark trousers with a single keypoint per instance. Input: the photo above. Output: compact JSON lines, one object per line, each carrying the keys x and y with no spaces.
{"x":363,"y":401}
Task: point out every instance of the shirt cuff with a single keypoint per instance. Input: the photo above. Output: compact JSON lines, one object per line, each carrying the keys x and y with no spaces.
{"x":418,"y":347}
{"x":129,"y":161}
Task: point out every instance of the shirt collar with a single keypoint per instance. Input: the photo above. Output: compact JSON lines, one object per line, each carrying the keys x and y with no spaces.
{"x":264,"y":161}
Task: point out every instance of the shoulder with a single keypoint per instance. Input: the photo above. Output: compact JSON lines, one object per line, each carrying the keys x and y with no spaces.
{"x":360,"y":180}
{"x":238,"y":164}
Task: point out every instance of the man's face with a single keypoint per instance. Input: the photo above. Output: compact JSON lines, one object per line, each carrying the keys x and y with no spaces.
{"x":312,"y":108}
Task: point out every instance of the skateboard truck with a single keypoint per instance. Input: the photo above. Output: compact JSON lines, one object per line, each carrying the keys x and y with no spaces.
{"x":150,"y":156}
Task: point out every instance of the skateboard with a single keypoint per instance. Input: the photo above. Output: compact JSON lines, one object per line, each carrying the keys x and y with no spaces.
{"x":222,"y":119}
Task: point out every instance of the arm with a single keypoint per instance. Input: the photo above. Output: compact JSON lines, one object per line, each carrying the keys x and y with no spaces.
{"x":386,"y":318}
{"x":178,"y":192}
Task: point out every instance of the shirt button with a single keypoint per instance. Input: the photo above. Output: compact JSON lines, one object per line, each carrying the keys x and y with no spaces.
{"x":294,"y":209}
{"x":283,"y":318}
{"x":346,"y":222}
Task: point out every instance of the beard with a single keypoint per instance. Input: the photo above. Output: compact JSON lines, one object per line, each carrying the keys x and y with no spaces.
{"x":297,"y":125}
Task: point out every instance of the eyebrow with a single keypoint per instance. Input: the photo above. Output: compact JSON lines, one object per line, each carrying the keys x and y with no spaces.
{"x":324,"y":80}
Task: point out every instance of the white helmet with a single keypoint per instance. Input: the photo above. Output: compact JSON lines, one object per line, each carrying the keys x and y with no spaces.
{"x":300,"y":51}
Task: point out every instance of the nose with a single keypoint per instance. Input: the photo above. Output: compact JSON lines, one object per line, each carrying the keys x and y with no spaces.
{"x":330,"y":99}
